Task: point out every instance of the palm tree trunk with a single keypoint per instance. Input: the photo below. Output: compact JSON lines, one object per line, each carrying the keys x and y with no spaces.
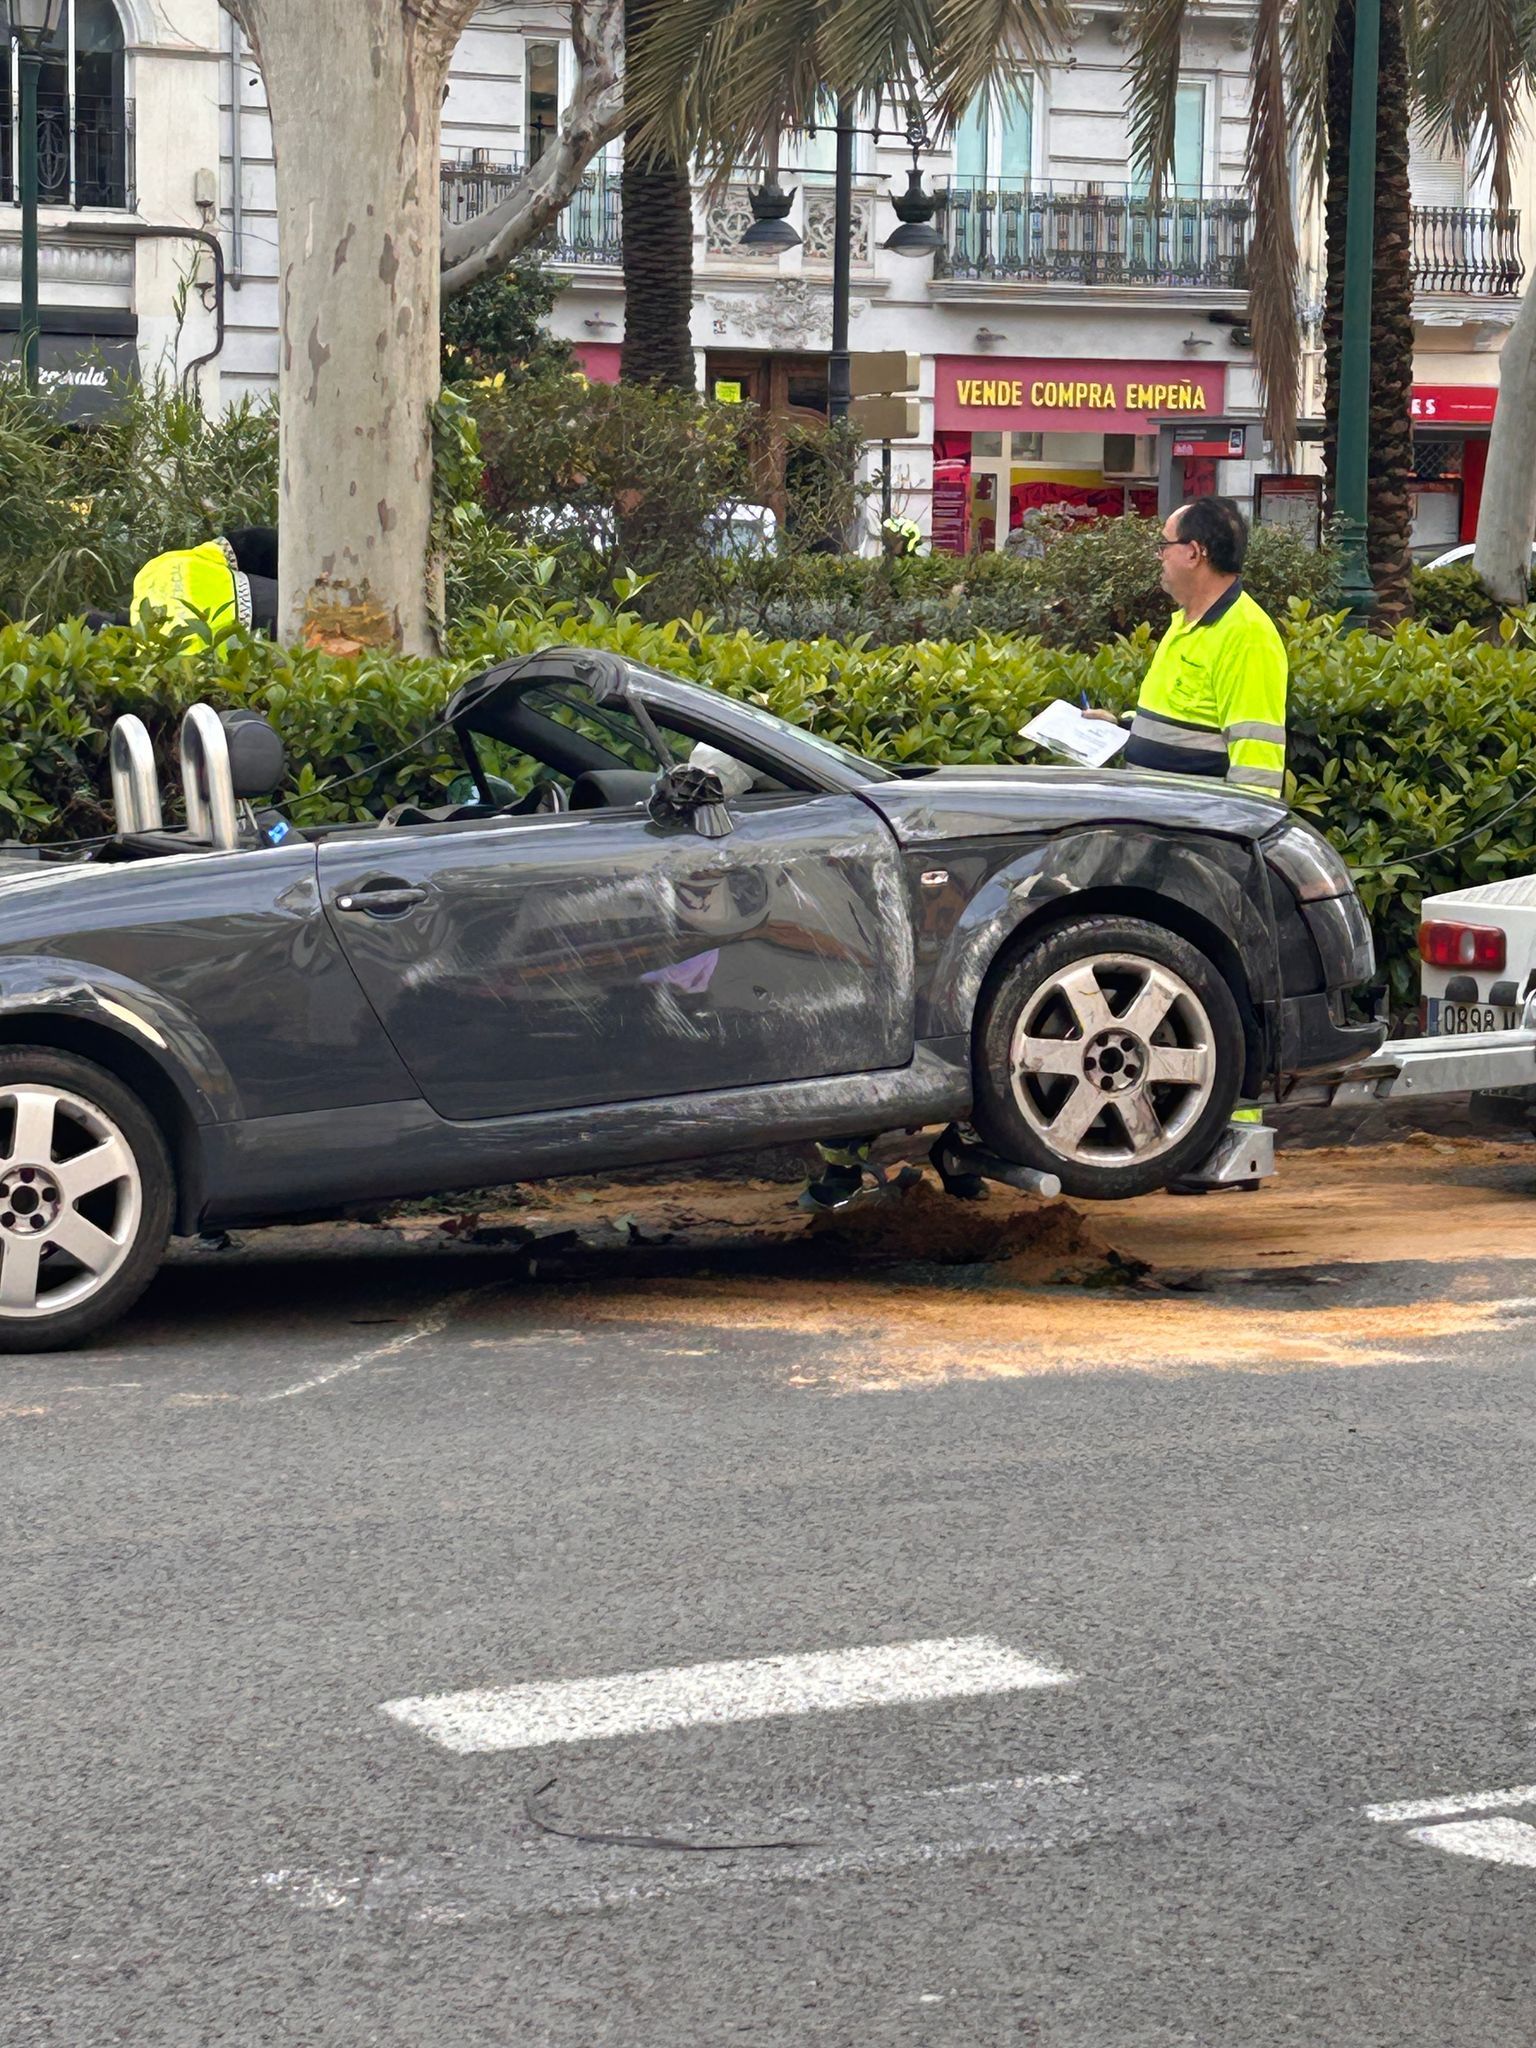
{"x":1390,"y":502}
{"x":658,"y":249}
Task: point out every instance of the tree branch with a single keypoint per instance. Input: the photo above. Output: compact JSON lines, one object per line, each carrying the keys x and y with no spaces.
{"x":595,"y":115}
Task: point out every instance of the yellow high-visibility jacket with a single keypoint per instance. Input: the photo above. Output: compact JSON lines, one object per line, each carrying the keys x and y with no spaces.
{"x":200,"y":582}
{"x":1213,"y":702}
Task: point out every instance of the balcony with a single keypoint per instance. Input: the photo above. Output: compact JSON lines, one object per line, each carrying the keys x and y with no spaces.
{"x":1467,"y":251}
{"x":588,"y":232}
{"x":1039,"y":233}
{"x":84,"y":153}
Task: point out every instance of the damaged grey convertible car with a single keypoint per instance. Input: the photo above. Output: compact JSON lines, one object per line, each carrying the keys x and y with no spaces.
{"x":658,"y":924}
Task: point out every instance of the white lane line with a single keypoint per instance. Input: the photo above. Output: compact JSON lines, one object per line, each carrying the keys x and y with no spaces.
{"x":744,"y":1689}
{"x":1452,"y":1803}
{"x":431,"y":1326}
{"x":1494,"y":1841}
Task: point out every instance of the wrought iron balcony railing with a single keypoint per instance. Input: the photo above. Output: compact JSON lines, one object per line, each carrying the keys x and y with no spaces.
{"x":589,"y":229}
{"x":84,"y":152}
{"x":1038,"y":232}
{"x":1470,"y":251}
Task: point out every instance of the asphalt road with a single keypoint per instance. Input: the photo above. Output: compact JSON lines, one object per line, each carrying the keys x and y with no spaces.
{"x":291,"y":1492}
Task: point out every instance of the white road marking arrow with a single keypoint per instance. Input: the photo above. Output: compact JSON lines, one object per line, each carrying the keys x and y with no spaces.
{"x":1500,"y":1840}
{"x":1496,"y":1839}
{"x":744,"y":1689}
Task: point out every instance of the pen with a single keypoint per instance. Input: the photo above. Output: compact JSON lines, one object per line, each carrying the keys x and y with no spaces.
{"x":1082,"y":697}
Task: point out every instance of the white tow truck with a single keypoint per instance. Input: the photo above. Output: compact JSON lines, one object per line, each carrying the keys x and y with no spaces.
{"x":1477,"y":952}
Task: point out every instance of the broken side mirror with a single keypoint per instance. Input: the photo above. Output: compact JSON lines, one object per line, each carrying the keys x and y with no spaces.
{"x":695,"y":797}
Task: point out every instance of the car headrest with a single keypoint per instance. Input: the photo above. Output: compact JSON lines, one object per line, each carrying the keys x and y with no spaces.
{"x":257,"y":762}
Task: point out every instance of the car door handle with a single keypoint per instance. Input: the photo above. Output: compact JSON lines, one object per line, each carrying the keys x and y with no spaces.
{"x":382,"y":902}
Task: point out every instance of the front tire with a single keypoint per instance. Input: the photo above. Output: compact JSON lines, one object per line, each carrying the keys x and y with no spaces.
{"x":1110,"y":1054}
{"x":87,"y":1196}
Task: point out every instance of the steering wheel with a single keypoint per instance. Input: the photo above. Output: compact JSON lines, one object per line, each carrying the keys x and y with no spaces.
{"x":545,"y":796}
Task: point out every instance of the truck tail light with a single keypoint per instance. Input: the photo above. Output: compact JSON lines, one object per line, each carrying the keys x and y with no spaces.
{"x":1462,"y":945}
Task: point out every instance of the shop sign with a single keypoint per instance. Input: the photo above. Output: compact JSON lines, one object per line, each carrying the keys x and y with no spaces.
{"x":89,"y":370}
{"x":1232,"y":446}
{"x":1454,"y":405}
{"x":1066,"y":395}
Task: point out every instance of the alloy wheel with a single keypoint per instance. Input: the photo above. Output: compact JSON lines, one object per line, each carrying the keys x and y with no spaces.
{"x":1112,"y":1060}
{"x":71,"y":1198}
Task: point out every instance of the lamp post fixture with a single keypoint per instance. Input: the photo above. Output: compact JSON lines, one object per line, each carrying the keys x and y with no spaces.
{"x":1354,"y":424}
{"x":916,"y":236}
{"x":33,"y":25}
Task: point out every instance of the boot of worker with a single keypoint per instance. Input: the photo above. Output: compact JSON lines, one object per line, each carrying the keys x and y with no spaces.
{"x":841,"y":1179}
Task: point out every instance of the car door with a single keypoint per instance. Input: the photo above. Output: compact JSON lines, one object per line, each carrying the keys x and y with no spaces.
{"x":547,"y":962}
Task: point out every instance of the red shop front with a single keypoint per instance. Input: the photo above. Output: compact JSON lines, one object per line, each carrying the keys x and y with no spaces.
{"x":1451,"y":425}
{"x":1024,"y":433}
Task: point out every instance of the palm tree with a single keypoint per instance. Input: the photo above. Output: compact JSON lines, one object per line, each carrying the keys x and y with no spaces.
{"x":658,"y":240}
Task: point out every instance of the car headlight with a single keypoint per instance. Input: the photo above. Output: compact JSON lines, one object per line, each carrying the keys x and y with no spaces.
{"x":1308,"y":863}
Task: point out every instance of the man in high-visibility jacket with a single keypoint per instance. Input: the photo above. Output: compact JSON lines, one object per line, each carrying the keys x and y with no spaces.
{"x":1213,"y":702}
{"x":230,"y":581}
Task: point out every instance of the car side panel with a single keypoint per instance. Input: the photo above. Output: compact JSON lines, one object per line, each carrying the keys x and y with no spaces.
{"x":227,"y":957}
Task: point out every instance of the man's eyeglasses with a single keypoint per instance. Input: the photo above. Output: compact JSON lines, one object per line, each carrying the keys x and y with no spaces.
{"x":1161,"y":544}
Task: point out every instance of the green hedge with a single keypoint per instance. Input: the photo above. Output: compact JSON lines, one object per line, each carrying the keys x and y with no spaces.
{"x":1399,"y":745}
{"x":1088,"y":583}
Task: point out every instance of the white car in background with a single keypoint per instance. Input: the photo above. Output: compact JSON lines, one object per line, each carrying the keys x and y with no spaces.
{"x":1462,"y":554}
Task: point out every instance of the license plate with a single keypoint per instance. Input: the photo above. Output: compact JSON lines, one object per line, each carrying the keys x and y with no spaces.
{"x":1460,"y":1019}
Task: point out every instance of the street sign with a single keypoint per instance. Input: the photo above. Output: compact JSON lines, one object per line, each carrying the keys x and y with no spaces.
{"x":881,"y":370}
{"x":886,"y":419}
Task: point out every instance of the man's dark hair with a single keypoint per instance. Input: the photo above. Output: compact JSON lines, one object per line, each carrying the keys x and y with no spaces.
{"x":254,"y":549}
{"x":1220,"y":529}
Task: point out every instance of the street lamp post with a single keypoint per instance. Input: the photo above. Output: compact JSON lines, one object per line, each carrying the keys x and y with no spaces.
{"x":771,"y":233}
{"x":1354,"y":422}
{"x":33,"y":24}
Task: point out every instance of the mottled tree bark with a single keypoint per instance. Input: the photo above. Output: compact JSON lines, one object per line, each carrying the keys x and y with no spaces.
{"x":1390,"y":501}
{"x":658,"y":251}
{"x":355,"y":89}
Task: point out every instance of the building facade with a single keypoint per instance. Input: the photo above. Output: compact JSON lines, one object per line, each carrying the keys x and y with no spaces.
{"x":1067,"y":322}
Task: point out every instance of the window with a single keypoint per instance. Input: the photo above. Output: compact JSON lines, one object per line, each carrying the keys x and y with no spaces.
{"x":84,"y":121}
{"x":994,"y":140}
{"x":1187,"y":179}
{"x":541,"y":109}
{"x":1437,"y":171}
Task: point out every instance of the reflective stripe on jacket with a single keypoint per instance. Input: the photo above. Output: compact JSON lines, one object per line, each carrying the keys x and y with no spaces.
{"x":200,"y":582}
{"x":1213,"y":702}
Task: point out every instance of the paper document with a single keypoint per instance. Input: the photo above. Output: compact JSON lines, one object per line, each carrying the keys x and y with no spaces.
{"x":1065,"y":730}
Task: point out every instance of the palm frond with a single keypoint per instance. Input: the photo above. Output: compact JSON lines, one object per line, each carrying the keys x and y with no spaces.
{"x":1308,"y":37}
{"x":1157,"y":42}
{"x":1273,"y":265}
{"x":729,"y":76}
{"x":1474,"y":69}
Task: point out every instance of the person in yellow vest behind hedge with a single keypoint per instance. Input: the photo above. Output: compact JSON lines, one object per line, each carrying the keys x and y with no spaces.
{"x":229,"y":581}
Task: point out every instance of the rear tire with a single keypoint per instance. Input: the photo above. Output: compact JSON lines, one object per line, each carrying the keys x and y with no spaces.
{"x":1110,"y":1054}
{"x":87,"y":1197}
